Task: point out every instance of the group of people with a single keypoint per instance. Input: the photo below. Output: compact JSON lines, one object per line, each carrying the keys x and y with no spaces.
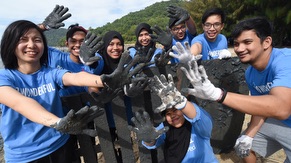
{"x":38,"y":82}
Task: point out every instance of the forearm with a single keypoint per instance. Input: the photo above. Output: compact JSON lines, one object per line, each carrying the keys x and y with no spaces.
{"x":190,"y":23}
{"x":255,"y":125}
{"x":264,"y":105}
{"x":189,"y":110}
{"x":82,"y":79}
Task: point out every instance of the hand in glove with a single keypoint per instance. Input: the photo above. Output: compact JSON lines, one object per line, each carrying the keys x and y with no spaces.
{"x":184,"y":54}
{"x":121,"y":75}
{"x":137,"y":86}
{"x":76,"y":122}
{"x":168,"y":93}
{"x":89,"y":47}
{"x":143,"y":56}
{"x":178,"y":13}
{"x":202,"y":87}
{"x":56,"y":17}
{"x":224,"y":54}
{"x":243,"y":146}
{"x":144,"y":128}
{"x":163,"y":59}
{"x":105,"y":95}
{"x":162,"y":37}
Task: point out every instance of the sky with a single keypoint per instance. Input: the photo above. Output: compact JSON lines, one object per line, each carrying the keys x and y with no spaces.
{"x":88,"y":13}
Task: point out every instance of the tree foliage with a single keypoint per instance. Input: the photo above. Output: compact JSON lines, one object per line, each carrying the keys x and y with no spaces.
{"x":278,"y":12}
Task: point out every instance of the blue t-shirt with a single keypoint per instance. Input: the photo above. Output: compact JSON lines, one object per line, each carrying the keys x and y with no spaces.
{"x":276,"y":74}
{"x":199,"y":149}
{"x":188,"y":37}
{"x":211,"y":50}
{"x":62,"y":60}
{"x":132,"y":52}
{"x":24,"y":140}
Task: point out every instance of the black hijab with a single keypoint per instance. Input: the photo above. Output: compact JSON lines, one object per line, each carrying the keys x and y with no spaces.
{"x":177,"y":142}
{"x":110,"y":64}
{"x":138,"y":46}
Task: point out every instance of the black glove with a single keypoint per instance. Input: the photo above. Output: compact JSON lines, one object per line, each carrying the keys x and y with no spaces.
{"x":106,"y":95}
{"x":143,"y":56}
{"x":162,"y":59}
{"x":76,"y":123}
{"x":123,"y":73}
{"x":144,"y":128}
{"x":162,"y":37}
{"x":168,"y":93}
{"x":56,"y":17}
{"x":137,"y":86}
{"x":89,"y":48}
{"x":178,"y":13}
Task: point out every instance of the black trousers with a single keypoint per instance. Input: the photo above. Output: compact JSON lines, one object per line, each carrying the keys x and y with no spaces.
{"x":65,"y":154}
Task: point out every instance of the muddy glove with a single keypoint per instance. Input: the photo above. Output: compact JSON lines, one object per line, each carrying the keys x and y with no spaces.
{"x":122,"y":75}
{"x":56,"y":17}
{"x":243,"y":146}
{"x":75,"y":123}
{"x":162,"y":59}
{"x":144,"y":128}
{"x":178,"y":13}
{"x":89,"y":48}
{"x":183,"y":53}
{"x":137,"y":86}
{"x":143,"y":56}
{"x":168,"y":93}
{"x":224,"y":54}
{"x":162,"y":37}
{"x":105,"y":95}
{"x":202,"y":87}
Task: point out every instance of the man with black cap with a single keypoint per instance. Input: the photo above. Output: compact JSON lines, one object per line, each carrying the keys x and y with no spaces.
{"x":182,"y":26}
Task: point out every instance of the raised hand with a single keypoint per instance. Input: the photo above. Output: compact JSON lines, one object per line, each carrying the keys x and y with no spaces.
{"x":76,"y":122}
{"x":137,"y":86}
{"x":243,"y":146}
{"x":183,"y":53}
{"x":122,"y":75}
{"x":202,"y":87}
{"x":105,"y":95}
{"x":144,"y":128}
{"x":56,"y":17}
{"x":162,"y":59}
{"x":168,"y":93}
{"x":178,"y":13}
{"x":89,"y":48}
{"x":162,"y":37}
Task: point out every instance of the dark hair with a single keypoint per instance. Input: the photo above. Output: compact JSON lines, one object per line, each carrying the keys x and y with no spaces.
{"x":260,"y":25}
{"x":74,"y":28}
{"x":213,"y":11}
{"x":10,"y":39}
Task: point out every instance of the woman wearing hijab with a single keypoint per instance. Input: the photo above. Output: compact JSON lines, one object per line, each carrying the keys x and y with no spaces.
{"x":111,"y":53}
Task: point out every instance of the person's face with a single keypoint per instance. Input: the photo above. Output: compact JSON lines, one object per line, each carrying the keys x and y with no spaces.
{"x":30,"y":47}
{"x":178,"y":31}
{"x":212,"y":27}
{"x":175,"y":117}
{"x":249,"y":48}
{"x":144,"y":37}
{"x":74,"y":43}
{"x":115,"y":48}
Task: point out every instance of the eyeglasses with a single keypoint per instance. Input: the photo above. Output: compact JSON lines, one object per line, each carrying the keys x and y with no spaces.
{"x":215,"y":25}
{"x":177,"y":29}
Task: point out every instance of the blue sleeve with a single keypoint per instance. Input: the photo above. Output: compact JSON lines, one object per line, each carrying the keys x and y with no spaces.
{"x":159,"y":141}
{"x":202,"y":122}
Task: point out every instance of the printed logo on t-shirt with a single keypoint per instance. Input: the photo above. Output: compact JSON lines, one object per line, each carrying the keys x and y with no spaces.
{"x":192,"y":146}
{"x":29,"y":92}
